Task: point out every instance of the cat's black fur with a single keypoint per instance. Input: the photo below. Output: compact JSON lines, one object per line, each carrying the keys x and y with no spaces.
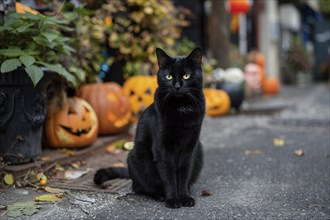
{"x":167,"y":156}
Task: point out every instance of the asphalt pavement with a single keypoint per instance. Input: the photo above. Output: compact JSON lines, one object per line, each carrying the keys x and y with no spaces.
{"x":272,"y":165}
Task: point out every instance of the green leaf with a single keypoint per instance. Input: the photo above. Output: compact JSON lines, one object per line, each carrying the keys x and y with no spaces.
{"x":10,"y":65}
{"x":35,"y":73}
{"x":27,"y":60}
{"x":54,"y":21}
{"x":84,"y":11}
{"x":50,"y":36}
{"x":32,"y":52}
{"x":41,"y":40}
{"x":68,"y":48}
{"x":11,"y":52}
{"x":58,"y":68}
{"x":22,"y":208}
{"x":78,"y":72}
{"x":33,"y":16}
{"x":25,"y":27}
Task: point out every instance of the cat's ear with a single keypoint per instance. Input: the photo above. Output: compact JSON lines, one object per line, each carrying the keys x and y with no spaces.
{"x":162,"y":57}
{"x":196,"y":55}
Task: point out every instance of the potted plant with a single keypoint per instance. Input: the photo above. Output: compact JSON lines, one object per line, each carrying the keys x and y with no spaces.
{"x":134,"y":29}
{"x":231,"y":81}
{"x":30,"y":47}
{"x":299,"y":62}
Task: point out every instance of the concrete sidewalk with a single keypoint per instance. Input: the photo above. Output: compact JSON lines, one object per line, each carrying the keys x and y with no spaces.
{"x":248,"y":176}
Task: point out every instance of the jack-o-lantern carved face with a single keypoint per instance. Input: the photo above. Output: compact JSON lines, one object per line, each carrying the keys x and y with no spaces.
{"x":112,"y":107}
{"x":75,"y":125}
{"x":217,"y":102}
{"x":140,"y":90}
{"x":119,"y":120}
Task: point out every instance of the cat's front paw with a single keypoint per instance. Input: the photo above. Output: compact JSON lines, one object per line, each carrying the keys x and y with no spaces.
{"x":100,"y":176}
{"x":173,"y":203}
{"x":187,"y":201}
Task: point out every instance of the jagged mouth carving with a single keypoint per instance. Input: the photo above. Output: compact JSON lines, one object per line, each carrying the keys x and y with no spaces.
{"x":79,"y":132}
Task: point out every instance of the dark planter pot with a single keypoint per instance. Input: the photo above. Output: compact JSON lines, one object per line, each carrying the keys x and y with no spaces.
{"x":115,"y":73}
{"x":22,"y":114}
{"x":235,"y":92}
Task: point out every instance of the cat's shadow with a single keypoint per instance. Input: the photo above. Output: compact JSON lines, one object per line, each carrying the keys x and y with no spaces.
{"x":134,"y":198}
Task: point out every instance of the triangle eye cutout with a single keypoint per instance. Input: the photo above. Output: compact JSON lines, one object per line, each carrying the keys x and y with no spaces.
{"x":132,"y":93}
{"x":148,"y":91}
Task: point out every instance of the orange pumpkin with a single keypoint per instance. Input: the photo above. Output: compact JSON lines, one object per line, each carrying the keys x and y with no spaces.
{"x":74,"y":125}
{"x":262,"y":76}
{"x":271,"y":86}
{"x":110,"y":104}
{"x":140,"y":91}
{"x":217,"y":102}
{"x":257,"y":58}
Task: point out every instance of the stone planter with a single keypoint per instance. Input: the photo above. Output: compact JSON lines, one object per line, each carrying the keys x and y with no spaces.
{"x":303,"y":79}
{"x":22,"y":114}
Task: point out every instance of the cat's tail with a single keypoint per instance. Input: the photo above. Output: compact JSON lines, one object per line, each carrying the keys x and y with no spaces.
{"x":110,"y":173}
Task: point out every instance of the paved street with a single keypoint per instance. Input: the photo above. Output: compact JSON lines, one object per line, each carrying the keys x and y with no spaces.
{"x":247,"y":174}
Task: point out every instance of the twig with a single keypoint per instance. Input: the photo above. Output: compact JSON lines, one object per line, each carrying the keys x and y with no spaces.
{"x":50,"y":166}
{"x":60,"y":9}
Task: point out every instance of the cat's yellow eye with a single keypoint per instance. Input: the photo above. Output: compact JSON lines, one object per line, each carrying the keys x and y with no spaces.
{"x":169,"y":77}
{"x":186,"y":76}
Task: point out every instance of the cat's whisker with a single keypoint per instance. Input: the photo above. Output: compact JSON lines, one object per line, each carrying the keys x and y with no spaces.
{"x":163,"y":100}
{"x":194,"y":100}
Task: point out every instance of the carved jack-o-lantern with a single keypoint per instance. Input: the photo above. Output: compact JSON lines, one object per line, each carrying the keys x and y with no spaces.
{"x":140,"y":90}
{"x":112,"y":107}
{"x":74,"y":125}
{"x":217,"y":102}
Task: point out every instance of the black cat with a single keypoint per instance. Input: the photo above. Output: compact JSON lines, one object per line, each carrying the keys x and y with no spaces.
{"x":167,"y":156}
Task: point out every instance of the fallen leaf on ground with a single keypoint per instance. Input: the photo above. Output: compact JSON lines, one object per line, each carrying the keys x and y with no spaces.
{"x":119,"y":164}
{"x":46,"y":158}
{"x":75,"y":165}
{"x":49,"y":197}
{"x":41,"y":176}
{"x":112,"y":149}
{"x":58,"y":167}
{"x":74,"y":174}
{"x":53,"y":190}
{"x":22,"y":208}
{"x":31,"y":177}
{"x":9,"y":179}
{"x":60,"y":175}
{"x":252,"y":152}
{"x":299,"y":153}
{"x":68,"y":152}
{"x":120,"y":143}
{"x":206,"y":193}
{"x":278,"y":142}
{"x":18,"y":183}
{"x":129,"y":145}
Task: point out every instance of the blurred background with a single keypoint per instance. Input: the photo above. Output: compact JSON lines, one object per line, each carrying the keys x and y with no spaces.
{"x":115,"y":39}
